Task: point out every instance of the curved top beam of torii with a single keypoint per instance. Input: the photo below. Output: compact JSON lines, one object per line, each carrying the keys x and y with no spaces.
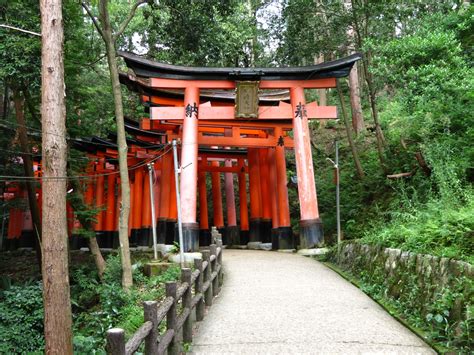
{"x":151,"y":69}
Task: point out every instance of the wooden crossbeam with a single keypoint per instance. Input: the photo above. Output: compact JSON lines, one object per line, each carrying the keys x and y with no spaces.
{"x":282,"y":112}
{"x":221,"y":169}
{"x":227,"y":84}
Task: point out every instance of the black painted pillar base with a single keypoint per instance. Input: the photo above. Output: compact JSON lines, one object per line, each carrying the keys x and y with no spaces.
{"x":114,"y":236}
{"x":266,"y":230}
{"x":204,"y":237}
{"x":190,"y":237}
{"x":171,"y":232}
{"x":255,"y":234}
{"x":244,"y":237}
{"x":161,"y":231}
{"x":145,"y":237}
{"x":133,"y":237}
{"x":286,"y":240}
{"x":232,"y":234}
{"x":26,"y":240}
{"x":11,"y":244}
{"x":222,"y":231}
{"x":311,"y":233}
{"x":275,"y":238}
{"x":76,"y":242}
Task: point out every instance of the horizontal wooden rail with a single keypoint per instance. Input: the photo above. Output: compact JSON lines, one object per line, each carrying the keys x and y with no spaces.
{"x":195,"y":291}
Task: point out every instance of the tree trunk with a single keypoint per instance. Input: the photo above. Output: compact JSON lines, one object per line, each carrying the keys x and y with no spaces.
{"x":356,"y":108}
{"x":28,"y":169}
{"x":79,"y":205}
{"x":318,"y":59}
{"x":5,"y":103}
{"x":372,"y":97}
{"x":127,"y":280}
{"x":98,"y":258}
{"x":56,"y":294}
{"x":355,"y":154}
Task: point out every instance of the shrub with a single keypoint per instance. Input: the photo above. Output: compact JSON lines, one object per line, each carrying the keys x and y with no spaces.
{"x":21,"y":320}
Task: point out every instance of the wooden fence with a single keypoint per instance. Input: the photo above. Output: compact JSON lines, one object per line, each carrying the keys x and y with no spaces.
{"x":206,"y":279}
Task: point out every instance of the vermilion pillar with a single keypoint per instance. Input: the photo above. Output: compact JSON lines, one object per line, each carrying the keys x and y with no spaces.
{"x":232,"y":231}
{"x":272,"y":183}
{"x":265,"y":195}
{"x":204,"y":233}
{"x":137,"y":206}
{"x":285,"y":233}
{"x":146,"y":210}
{"x":189,"y":160}
{"x":171,"y":230}
{"x":311,"y":233}
{"x":217,"y":198}
{"x":244,"y":212}
{"x":132,"y":205}
{"x":165,"y":189}
{"x":99,"y":201}
{"x":255,"y":196}
{"x":110,"y":212}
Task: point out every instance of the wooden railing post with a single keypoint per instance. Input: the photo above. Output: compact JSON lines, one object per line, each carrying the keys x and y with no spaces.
{"x":206,"y":255}
{"x":198,"y":290}
{"x":219,"y":262}
{"x":215,"y":282}
{"x":116,"y":341}
{"x":171,"y":317}
{"x":187,"y":303}
{"x":150,"y":309}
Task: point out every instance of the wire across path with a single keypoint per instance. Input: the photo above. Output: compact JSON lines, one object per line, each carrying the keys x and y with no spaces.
{"x":278,"y":303}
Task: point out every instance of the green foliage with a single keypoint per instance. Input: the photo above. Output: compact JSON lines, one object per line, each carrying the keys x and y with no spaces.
{"x":101,"y":306}
{"x":21,"y":313}
{"x":443,"y":314}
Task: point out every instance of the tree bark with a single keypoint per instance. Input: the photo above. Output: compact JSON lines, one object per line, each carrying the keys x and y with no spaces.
{"x":28,"y":169}
{"x":109,"y":40}
{"x":355,"y":154}
{"x":87,"y":225}
{"x":372,"y":95}
{"x":356,"y":107}
{"x":5,"y":103}
{"x":56,"y":294}
{"x":318,"y":59}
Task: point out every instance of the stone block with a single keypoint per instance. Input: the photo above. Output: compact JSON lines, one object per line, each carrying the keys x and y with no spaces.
{"x":154,"y":268}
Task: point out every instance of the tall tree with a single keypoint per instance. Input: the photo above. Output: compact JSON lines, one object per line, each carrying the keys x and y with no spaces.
{"x":354,"y":91}
{"x":355,"y":153}
{"x":28,"y":170}
{"x":56,"y":294}
{"x":110,"y":37}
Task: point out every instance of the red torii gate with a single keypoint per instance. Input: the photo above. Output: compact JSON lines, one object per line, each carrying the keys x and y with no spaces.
{"x":264,"y":132}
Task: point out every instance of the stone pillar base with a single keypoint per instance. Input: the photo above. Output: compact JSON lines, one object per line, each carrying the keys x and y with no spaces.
{"x":190,"y":237}
{"x":232,"y":234}
{"x":275,"y":238}
{"x":255,"y":234}
{"x":266,"y":230}
{"x":205,"y":237}
{"x":244,"y":237}
{"x":311,"y":234}
{"x":286,"y":240}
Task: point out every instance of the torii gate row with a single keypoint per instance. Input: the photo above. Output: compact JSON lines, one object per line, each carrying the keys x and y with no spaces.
{"x":103,"y":191}
{"x":247,"y":81}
